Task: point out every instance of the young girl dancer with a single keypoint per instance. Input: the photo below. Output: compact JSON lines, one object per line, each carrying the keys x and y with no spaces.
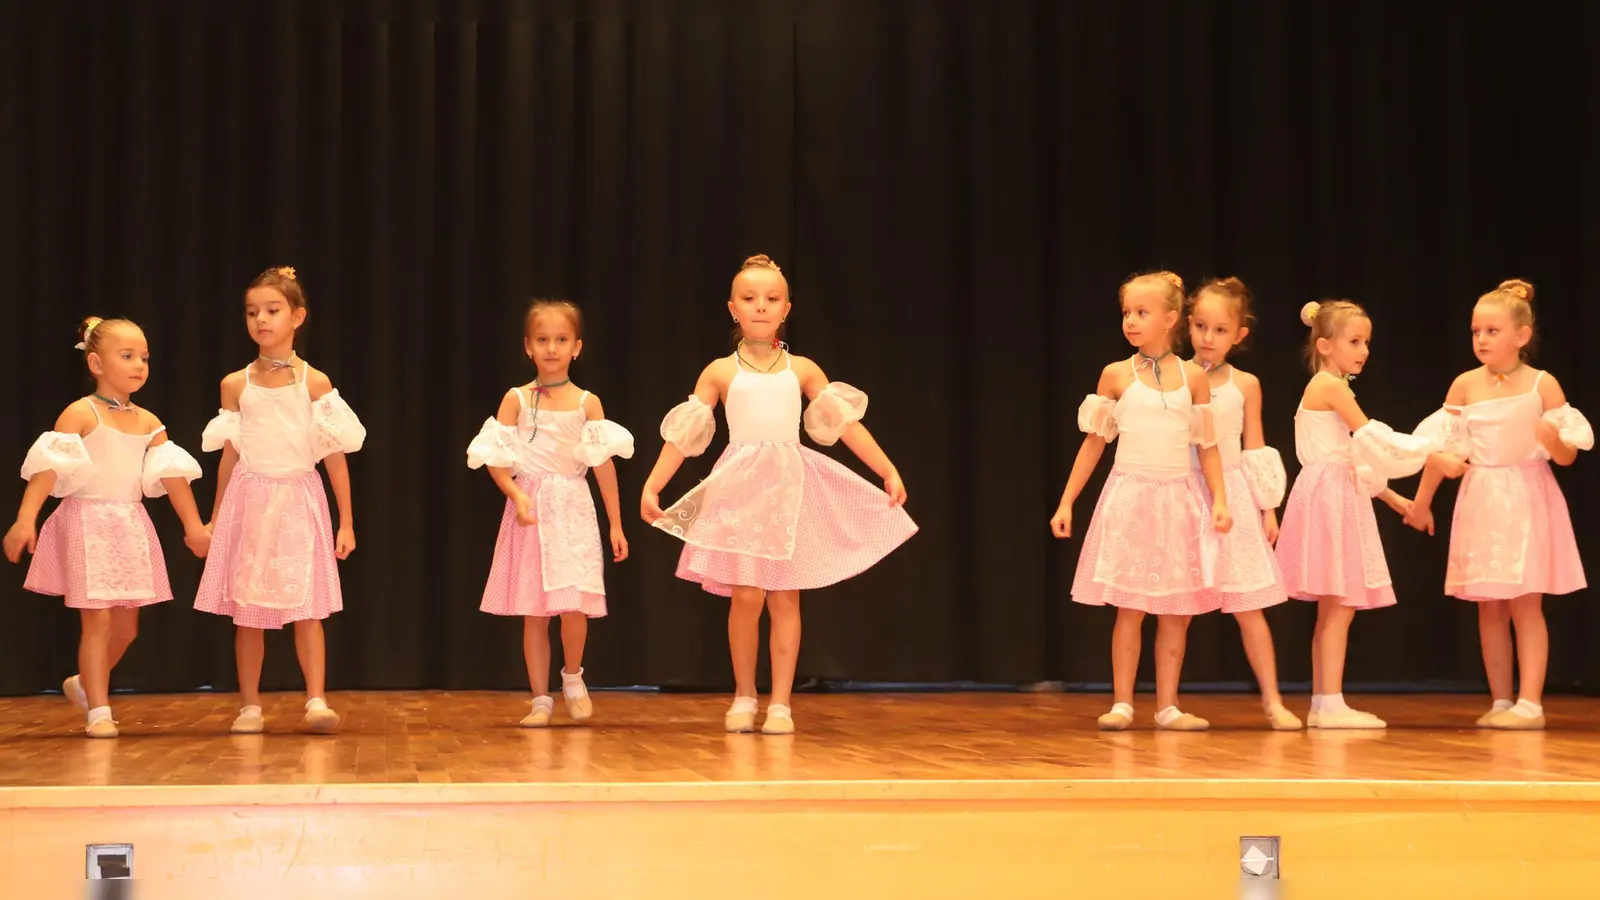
{"x":1247,"y":576}
{"x":1151,"y":546}
{"x":99,"y":548}
{"x":1328,"y":546}
{"x":1511,"y":540}
{"x":547,"y":559}
{"x":773,"y":518}
{"x":274,"y":545}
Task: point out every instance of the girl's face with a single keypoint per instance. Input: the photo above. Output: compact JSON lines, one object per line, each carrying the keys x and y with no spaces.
{"x":1347,"y":351}
{"x":272,"y":320}
{"x":552,"y":343}
{"x":121,"y":364}
{"x":1147,"y":319}
{"x":759,"y":303}
{"x":1497,"y":340}
{"x":1214,"y":329}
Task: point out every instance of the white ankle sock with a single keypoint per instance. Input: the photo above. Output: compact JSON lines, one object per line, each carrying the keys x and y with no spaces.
{"x":1124,"y":708}
{"x":544,"y":701}
{"x":1316,"y":703}
{"x":1334,"y":703}
{"x":1527,"y":709}
{"x":98,"y":713}
{"x":316,"y":703}
{"x":779,"y":710}
{"x":570,"y":678}
{"x":1502,"y":705}
{"x":743,"y":705}
{"x":1169,"y":715}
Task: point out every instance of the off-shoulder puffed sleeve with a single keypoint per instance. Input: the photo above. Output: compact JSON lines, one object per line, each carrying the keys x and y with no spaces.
{"x":1202,"y":425}
{"x":1447,"y":430}
{"x":222,"y":429}
{"x":1097,"y":416}
{"x":1263,"y":471}
{"x":63,"y":454}
{"x":166,"y":460}
{"x":832,"y":412}
{"x":334,"y":426}
{"x":1379,"y":453}
{"x":689,"y":426}
{"x":1574,"y":428}
{"x":600,"y":440}
{"x":495,"y":446}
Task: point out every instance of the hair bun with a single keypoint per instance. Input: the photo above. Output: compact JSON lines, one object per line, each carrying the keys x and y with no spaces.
{"x":1173,"y":277}
{"x":760,"y":261}
{"x":1518,"y":288}
{"x":285,"y":271}
{"x":1308,"y":313}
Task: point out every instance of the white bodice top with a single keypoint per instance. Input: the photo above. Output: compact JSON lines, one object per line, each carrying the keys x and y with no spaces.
{"x":549,"y":441}
{"x":107,"y":464}
{"x":280,"y":432}
{"x":764,"y":408}
{"x":1503,"y":431}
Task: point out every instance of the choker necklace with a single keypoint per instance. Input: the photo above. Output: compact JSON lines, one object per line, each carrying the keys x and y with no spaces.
{"x":276,"y":364}
{"x":1500,"y":378}
{"x":115,"y":405}
{"x":777,"y":345}
{"x":1210,"y":367}
{"x":542,"y":390}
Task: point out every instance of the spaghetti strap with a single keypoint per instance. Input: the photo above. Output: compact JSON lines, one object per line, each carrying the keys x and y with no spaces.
{"x":582,"y":400}
{"x":96,"y":410}
{"x":1536,"y":379}
{"x":522,"y":402}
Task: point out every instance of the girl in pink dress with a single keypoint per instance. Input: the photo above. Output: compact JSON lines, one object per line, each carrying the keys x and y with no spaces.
{"x":1248,"y":579}
{"x":275,"y":546}
{"x":773,"y":518}
{"x":99,"y":548}
{"x":547,"y":559}
{"x":1511,"y":539}
{"x":1328,"y":546}
{"x":1151,"y":546}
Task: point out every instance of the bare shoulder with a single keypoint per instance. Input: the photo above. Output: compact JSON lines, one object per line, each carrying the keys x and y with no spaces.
{"x":232,"y":386}
{"x":78,"y":418}
{"x":149,"y":421}
{"x":1248,"y":384}
{"x":592,"y":407}
{"x":1114,"y":379}
{"x":317,"y":382}
{"x":1550,"y":390}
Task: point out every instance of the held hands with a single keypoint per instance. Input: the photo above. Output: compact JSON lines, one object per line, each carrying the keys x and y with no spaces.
{"x":1449,"y":465}
{"x":345,"y":542}
{"x":1221,"y":519}
{"x":1269,"y":524}
{"x":1061,"y":522}
{"x":22,"y":536}
{"x":650,"y":507}
{"x":525,"y":513}
{"x":1399,"y":504}
{"x":895,"y":488}
{"x":198,"y":540}
{"x":1420,"y":518}
{"x":619,"y":544}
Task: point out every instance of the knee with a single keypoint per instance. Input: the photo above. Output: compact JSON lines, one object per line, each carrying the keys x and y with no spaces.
{"x":1179,"y":624}
{"x":1495,"y":614}
{"x":97,"y":623}
{"x":784,"y":605}
{"x":125,"y":630}
{"x":748,"y":600}
{"x":1527,"y":611}
{"x":1129,"y":618}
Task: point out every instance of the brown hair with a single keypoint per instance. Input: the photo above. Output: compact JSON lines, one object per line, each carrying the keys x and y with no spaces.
{"x":759,"y":261}
{"x":93,"y":329}
{"x":1326,"y":318}
{"x":1515,"y":296}
{"x":1235,"y":293}
{"x":564,"y":307}
{"x":283,"y":280}
{"x":1171,"y":287}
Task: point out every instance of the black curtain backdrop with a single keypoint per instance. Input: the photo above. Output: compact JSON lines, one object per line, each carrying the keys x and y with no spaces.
{"x":955,"y":189}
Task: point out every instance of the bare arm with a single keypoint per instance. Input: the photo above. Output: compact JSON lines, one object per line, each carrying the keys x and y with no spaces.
{"x":605,"y":474}
{"x":1083,"y":465}
{"x":1433,"y":473}
{"x":510,"y":410}
{"x":75,"y":419}
{"x":1210,"y":459}
{"x":232,"y":387}
{"x":1328,"y":392}
{"x":1254,"y":437}
{"x":319,"y":385}
{"x":856,"y":436}
{"x":178,"y":491}
{"x":709,"y":392}
{"x":1561,"y":453}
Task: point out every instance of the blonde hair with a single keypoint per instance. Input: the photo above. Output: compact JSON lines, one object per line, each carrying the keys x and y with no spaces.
{"x":1171,"y":288}
{"x":759,"y":261}
{"x":563,"y":307}
{"x":1326,"y":318}
{"x":1515,"y":296}
{"x":93,"y":329}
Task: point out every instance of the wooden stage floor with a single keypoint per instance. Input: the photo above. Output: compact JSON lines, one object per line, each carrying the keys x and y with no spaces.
{"x":906,"y":795}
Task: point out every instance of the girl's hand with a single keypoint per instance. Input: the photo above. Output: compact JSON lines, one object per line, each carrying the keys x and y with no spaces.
{"x":1449,"y":465}
{"x":619,"y":544}
{"x":1399,"y":504}
{"x":650,"y":507}
{"x":1420,"y":518}
{"x":22,"y":536}
{"x":1061,"y":522}
{"x":1269,"y":524}
{"x":198,"y":541}
{"x":525,"y":513}
{"x":345,"y":543}
{"x":1221,"y":519}
{"x":1548,"y":434}
{"x":895,"y":488}
{"x":208,"y":529}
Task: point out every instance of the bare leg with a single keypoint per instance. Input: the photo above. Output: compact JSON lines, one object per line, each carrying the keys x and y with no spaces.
{"x":1329,"y":641}
{"x":574,"y":636}
{"x":94,"y":668}
{"x":536,"y":652}
{"x":249,"y":649}
{"x":784,"y":608}
{"x":1172,"y":637}
{"x":124,"y":629}
{"x":1494,"y":634}
{"x":1257,"y":638}
{"x":1125,"y":642}
{"x":310,"y":647}
{"x":1533,"y":646}
{"x":744,"y":637}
